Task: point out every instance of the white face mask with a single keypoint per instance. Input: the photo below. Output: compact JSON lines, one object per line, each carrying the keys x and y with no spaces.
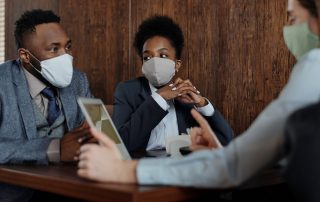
{"x":159,"y":71}
{"x":57,"y":71}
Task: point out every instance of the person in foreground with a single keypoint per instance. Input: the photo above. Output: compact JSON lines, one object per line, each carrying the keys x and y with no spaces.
{"x":151,"y":108}
{"x":260,"y":146}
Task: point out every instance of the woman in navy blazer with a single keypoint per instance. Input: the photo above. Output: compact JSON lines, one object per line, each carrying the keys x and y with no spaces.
{"x":150,"y":108}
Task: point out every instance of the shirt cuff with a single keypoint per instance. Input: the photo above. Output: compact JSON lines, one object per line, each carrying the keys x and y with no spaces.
{"x":207,"y":110}
{"x":53,"y":151}
{"x":161,"y":102}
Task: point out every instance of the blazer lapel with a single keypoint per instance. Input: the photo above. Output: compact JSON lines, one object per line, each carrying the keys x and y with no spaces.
{"x":24,"y":101}
{"x":145,"y":90}
{"x":181,"y":118}
{"x":69,"y":106}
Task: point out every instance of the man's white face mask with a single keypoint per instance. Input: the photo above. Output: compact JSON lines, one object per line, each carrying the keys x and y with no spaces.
{"x":58,"y":70}
{"x":159,"y":71}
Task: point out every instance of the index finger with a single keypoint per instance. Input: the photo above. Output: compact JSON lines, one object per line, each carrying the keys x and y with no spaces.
{"x":178,"y":81}
{"x":188,"y":82}
{"x":102,"y":138}
{"x":202,"y":121}
{"x":195,"y":132}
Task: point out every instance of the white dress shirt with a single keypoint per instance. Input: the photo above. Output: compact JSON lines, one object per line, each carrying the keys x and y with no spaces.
{"x":168,"y":126}
{"x":259,"y":146}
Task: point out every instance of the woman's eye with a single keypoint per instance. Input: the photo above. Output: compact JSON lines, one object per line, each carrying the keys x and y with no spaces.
{"x":292,"y":20}
{"x":163,"y":56}
{"x":146,"y":58}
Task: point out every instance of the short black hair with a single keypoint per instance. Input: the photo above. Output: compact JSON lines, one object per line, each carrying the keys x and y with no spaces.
{"x":28,"y":20}
{"x":159,"y":26}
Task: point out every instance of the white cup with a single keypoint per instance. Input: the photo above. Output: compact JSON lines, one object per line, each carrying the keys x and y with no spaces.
{"x":174,"y":143}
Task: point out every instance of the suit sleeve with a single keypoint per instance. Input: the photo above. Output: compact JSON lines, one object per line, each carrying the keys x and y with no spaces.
{"x":135,"y":123}
{"x":221,"y":127}
{"x":1,"y":114}
{"x":226,"y":167}
{"x":24,"y":151}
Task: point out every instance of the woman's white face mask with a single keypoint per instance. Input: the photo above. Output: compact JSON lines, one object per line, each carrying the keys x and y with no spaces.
{"x":159,"y":71}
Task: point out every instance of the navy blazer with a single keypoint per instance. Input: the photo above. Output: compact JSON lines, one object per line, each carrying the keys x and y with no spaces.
{"x":136,"y":114}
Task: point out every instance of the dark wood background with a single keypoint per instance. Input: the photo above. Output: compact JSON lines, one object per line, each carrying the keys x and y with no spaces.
{"x":234,"y":52}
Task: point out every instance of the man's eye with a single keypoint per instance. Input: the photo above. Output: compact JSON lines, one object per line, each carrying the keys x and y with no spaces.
{"x":163,"y":56}
{"x":54,"y":49}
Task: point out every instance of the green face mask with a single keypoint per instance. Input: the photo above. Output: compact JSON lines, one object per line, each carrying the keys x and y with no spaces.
{"x":299,"y":39}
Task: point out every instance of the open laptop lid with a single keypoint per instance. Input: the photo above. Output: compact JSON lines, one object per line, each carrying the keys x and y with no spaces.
{"x":98,"y":117}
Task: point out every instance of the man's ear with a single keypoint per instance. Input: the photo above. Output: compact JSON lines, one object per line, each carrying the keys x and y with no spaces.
{"x":24,"y":57}
{"x":178,"y":65}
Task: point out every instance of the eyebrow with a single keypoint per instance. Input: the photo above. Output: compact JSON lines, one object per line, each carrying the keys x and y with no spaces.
{"x":163,"y":49}
{"x":146,"y":51}
{"x":58,"y":43}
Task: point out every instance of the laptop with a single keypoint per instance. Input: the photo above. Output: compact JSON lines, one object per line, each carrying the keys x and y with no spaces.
{"x":98,"y":117}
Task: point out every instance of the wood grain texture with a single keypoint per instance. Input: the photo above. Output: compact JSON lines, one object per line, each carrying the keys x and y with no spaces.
{"x":234,"y":52}
{"x":99,"y":30}
{"x":63,"y":180}
{"x":178,"y":10}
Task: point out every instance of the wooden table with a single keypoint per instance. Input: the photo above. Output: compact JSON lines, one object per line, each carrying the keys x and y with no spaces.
{"x":62,"y":180}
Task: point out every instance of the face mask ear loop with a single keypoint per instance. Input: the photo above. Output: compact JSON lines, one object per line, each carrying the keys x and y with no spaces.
{"x":32,"y":64}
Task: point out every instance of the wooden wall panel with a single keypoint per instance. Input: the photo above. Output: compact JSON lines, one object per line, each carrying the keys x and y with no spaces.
{"x":100,"y":41}
{"x":234,"y":50}
{"x":203,"y":52}
{"x":254,"y":63}
{"x":13,"y":10}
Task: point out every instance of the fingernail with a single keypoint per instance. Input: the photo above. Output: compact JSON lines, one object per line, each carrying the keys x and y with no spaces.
{"x":194,"y":87}
{"x":84,"y":139}
{"x":198,"y":92}
{"x":174,"y":88}
{"x":179,"y":94}
{"x":171,"y":85}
